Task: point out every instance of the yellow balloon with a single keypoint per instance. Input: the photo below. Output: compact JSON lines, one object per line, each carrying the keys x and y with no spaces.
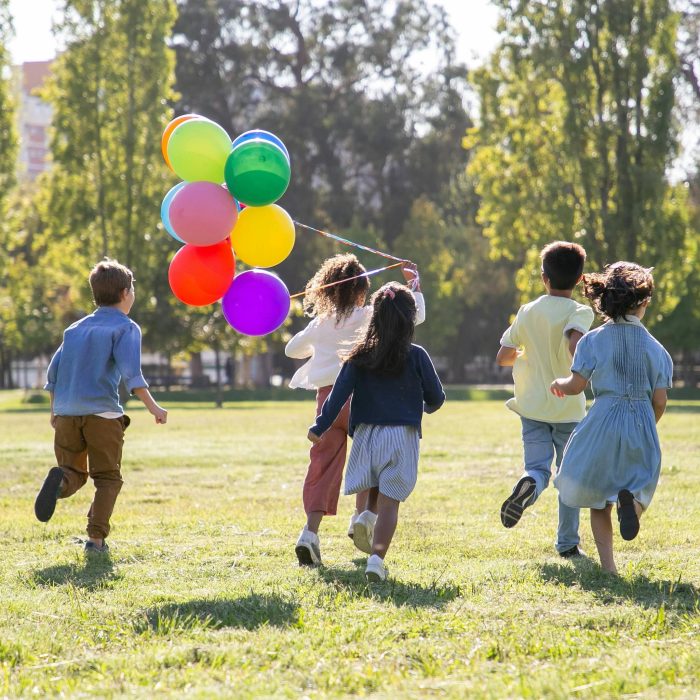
{"x":263,"y":236}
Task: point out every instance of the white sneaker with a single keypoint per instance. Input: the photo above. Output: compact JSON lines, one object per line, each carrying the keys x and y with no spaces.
{"x":363,"y":532}
{"x":376,"y":571}
{"x":351,"y":526}
{"x":308,"y":549}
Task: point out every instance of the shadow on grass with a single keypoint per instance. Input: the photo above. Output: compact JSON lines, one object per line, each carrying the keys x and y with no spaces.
{"x":411,"y":595}
{"x":96,"y":572}
{"x":641,"y":590}
{"x":249,"y":613}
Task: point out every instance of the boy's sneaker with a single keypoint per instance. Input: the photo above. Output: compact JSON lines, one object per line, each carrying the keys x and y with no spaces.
{"x":376,"y":571}
{"x":351,"y":526}
{"x":523,"y":496}
{"x":308,"y":549}
{"x":92,"y":548}
{"x":45,"y":503}
{"x":627,"y":515}
{"x":572,"y":553}
{"x":363,"y":533}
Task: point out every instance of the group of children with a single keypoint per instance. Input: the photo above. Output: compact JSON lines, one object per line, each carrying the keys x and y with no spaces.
{"x":374,"y":384}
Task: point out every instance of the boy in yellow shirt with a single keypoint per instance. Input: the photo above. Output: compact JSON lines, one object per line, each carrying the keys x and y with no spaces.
{"x":539,"y":346}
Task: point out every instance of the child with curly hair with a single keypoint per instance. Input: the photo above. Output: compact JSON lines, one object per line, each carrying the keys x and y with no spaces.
{"x":391,"y":381}
{"x":339,"y":314}
{"x":613,"y":455}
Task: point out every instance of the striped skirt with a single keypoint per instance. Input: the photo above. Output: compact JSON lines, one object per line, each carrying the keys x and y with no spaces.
{"x":385,"y":456}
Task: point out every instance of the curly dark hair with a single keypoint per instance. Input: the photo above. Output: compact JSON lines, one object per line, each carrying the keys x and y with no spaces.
{"x":340,"y":299}
{"x":621,"y":289}
{"x":386,"y":342}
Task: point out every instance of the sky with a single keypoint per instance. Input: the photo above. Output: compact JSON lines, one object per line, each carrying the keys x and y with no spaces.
{"x":474,"y":21}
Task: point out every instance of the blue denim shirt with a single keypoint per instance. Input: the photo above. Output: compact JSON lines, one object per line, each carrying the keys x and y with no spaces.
{"x":96,"y":351}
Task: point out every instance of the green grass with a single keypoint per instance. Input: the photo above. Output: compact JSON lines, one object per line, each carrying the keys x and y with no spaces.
{"x":202,"y":596}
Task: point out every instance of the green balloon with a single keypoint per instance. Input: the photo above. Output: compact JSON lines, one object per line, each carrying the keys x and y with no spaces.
{"x":197,"y":150}
{"x":257,"y":172}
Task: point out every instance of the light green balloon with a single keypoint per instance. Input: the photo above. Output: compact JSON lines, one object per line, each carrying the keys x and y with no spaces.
{"x":198,"y":149}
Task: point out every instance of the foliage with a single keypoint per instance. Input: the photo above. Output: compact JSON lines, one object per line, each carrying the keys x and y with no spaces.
{"x":369,"y":125}
{"x":577,"y":134}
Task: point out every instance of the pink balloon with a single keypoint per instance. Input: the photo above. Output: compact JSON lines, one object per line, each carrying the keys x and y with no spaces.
{"x":203,"y":213}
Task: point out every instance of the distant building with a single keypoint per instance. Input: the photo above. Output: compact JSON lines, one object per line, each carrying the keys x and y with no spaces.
{"x":33,"y":119}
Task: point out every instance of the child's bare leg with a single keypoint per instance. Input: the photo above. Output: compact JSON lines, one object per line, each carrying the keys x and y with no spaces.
{"x":601,"y":525}
{"x":387,"y":517}
{"x":371,"y":499}
{"x":361,"y":500}
{"x":313,"y":520}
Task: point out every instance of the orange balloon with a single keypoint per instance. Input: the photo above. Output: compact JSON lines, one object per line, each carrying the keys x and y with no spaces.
{"x":201,"y":275}
{"x":169,"y":130}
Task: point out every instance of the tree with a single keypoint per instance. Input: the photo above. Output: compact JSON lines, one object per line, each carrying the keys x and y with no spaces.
{"x":370,"y":128}
{"x":577,"y":134}
{"x":8,"y":154}
{"x":110,"y":92}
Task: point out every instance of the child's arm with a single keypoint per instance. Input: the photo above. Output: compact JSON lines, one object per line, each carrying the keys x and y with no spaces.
{"x":51,"y":376}
{"x":433,"y":393}
{"x":301,"y":346}
{"x":340,"y":393}
{"x":410,"y":274}
{"x":574,"y":337}
{"x":568,"y":386}
{"x":658,"y":402}
{"x":158,"y":412}
{"x":52,"y":420}
{"x":506,"y":356}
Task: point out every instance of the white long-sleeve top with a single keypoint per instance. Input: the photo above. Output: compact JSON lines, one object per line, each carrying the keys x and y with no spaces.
{"x":323,"y":340}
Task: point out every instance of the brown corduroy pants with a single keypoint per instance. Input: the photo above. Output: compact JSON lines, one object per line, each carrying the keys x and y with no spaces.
{"x":91,"y":446}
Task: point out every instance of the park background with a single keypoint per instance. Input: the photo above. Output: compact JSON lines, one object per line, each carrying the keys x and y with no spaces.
{"x":462,"y":138}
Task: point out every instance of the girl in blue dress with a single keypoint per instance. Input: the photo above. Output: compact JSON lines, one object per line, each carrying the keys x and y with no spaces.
{"x":613,"y":455}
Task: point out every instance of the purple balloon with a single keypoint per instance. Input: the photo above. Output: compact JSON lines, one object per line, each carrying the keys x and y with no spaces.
{"x":256,"y":303}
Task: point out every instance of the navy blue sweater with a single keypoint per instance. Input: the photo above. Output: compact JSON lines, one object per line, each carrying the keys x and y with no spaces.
{"x":384,"y":400}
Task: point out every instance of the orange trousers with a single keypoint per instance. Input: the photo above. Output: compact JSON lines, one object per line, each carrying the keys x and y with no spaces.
{"x":327,"y":459}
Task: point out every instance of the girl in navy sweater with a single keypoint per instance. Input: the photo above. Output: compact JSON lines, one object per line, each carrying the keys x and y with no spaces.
{"x":392,"y":381}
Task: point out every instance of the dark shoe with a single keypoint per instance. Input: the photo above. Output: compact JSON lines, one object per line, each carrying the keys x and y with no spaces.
{"x":523,"y":496}
{"x":45,"y":503}
{"x":627,"y":515}
{"x":575,"y":551}
{"x":92,"y":548}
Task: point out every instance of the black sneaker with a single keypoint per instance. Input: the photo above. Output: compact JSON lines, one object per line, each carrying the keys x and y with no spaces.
{"x":627,"y":515}
{"x":575,"y":551}
{"x":523,"y":496}
{"x":92,"y":548}
{"x":45,"y":503}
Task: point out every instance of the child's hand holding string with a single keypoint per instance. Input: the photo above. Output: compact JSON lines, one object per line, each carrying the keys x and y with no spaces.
{"x":409,"y":270}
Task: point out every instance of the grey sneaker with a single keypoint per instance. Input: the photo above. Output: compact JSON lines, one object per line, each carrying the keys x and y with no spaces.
{"x":523,"y":496}
{"x":573,"y":553}
{"x":92,"y":548}
{"x":308,"y":549}
{"x":45,"y":503}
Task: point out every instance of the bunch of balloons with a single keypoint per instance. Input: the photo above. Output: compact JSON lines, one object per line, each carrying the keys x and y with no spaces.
{"x":225,"y":209}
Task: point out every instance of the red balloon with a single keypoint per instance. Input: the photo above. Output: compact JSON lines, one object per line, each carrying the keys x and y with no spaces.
{"x":200,"y":275}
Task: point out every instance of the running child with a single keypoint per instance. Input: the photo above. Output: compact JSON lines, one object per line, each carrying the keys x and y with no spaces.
{"x":539,"y":346}
{"x":339,"y":314}
{"x":613,"y":455}
{"x":391,"y":381}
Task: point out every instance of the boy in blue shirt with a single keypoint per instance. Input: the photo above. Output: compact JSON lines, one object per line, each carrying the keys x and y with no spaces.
{"x":89,"y":422}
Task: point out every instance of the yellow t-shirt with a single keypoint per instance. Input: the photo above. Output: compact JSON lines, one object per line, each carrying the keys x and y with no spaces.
{"x":540,"y":332}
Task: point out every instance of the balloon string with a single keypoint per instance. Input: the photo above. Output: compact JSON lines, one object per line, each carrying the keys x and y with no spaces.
{"x":345,"y":241}
{"x":347,"y":279}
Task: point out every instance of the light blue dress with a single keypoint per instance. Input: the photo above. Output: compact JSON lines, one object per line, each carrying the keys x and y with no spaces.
{"x":616,"y":445}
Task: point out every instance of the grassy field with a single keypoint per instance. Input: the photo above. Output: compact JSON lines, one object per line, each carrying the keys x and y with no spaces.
{"x":202,"y":596}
